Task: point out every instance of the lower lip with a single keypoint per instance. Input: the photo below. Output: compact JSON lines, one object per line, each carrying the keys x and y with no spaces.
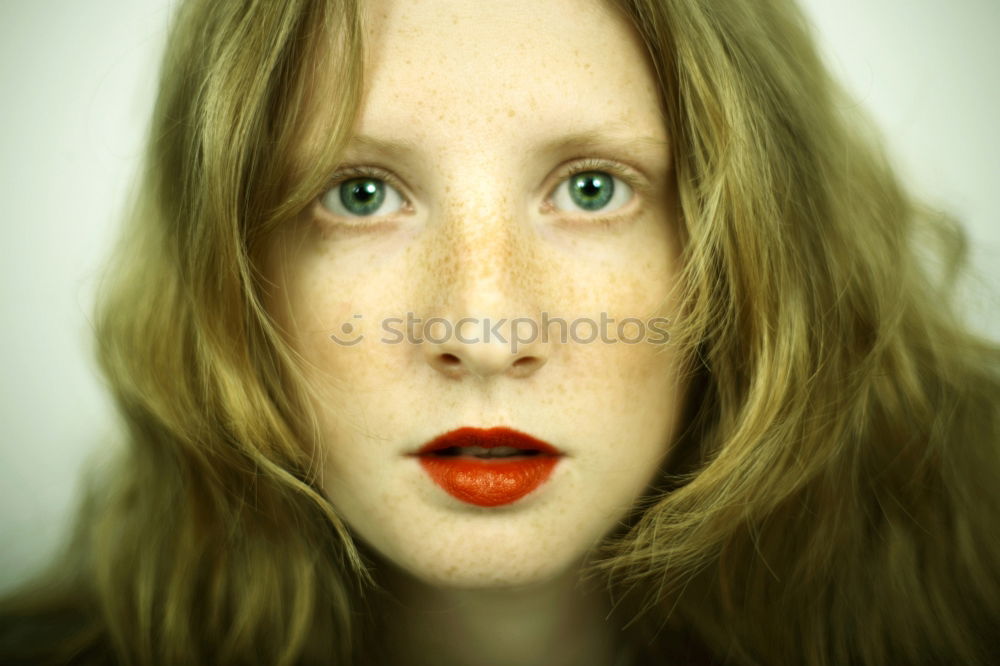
{"x":488,"y":482}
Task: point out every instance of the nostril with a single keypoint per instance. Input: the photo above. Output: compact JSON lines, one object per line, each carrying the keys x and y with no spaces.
{"x":484,"y":363}
{"x":523,"y":367}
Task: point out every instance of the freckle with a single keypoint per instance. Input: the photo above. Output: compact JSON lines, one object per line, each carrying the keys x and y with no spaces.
{"x":511,"y":113}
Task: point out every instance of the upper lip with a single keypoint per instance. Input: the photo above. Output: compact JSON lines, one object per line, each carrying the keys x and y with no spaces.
{"x":488,"y":439}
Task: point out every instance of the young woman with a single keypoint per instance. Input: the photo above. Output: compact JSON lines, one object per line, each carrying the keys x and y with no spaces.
{"x":526,"y":333}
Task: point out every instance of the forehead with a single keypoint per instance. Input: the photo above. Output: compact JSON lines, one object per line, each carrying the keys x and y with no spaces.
{"x":518,"y":69}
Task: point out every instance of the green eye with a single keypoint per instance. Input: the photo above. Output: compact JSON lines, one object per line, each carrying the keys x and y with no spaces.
{"x":592,"y":191}
{"x":362,"y":197}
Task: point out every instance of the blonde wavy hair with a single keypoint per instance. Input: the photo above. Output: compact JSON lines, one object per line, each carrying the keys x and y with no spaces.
{"x":834,"y":495}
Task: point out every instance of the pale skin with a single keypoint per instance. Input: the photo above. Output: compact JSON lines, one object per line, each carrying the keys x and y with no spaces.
{"x":476,"y":114}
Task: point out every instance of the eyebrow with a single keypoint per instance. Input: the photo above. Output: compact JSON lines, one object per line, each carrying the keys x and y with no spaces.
{"x":610,"y":136}
{"x":402,"y":145}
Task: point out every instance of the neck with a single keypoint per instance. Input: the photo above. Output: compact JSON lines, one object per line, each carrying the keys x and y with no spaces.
{"x":556,"y":623}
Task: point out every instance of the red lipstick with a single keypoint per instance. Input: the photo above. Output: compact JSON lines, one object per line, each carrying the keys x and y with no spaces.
{"x":488,"y":467}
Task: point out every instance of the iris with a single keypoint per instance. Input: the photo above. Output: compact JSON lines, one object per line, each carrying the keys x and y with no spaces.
{"x":362,"y":196}
{"x":591,"y":190}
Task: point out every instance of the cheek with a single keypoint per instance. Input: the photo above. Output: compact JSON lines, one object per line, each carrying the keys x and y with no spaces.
{"x":331,"y":316}
{"x":634,"y":376}
{"x":621,"y":388}
{"x":619,"y":312}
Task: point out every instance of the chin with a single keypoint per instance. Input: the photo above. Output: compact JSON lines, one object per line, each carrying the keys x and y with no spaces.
{"x":484,"y":567}
{"x":471,"y":577}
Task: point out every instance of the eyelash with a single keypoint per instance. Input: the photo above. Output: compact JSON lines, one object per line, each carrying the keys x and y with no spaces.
{"x":573,"y":168}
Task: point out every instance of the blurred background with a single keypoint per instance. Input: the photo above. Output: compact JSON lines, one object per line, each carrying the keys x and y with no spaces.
{"x":77,"y":81}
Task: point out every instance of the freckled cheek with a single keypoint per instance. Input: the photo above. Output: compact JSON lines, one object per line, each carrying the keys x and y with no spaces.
{"x":631,"y":355}
{"x":336,"y":329}
{"x":620,"y":372}
{"x":625,"y":290}
{"x":364,"y":367}
{"x":363,"y":361}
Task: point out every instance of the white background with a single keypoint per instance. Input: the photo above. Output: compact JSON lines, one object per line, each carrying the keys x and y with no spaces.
{"x":76,"y":86}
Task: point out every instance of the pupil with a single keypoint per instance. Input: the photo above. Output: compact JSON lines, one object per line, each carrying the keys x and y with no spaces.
{"x":592,"y":190}
{"x":362,"y":196}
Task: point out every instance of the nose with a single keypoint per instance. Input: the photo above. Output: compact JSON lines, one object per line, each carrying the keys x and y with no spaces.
{"x":486,"y":284}
{"x":483,"y":348}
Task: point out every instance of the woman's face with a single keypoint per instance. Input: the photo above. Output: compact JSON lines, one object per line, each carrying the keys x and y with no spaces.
{"x":510,"y":160}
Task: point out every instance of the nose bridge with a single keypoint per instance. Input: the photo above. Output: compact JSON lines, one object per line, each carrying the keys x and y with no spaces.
{"x":481,"y":254}
{"x":482,"y":272}
{"x":482,"y":262}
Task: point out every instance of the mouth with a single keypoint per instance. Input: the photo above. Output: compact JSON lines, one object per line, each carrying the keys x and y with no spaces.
{"x":488,"y":467}
{"x":484,"y":453}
